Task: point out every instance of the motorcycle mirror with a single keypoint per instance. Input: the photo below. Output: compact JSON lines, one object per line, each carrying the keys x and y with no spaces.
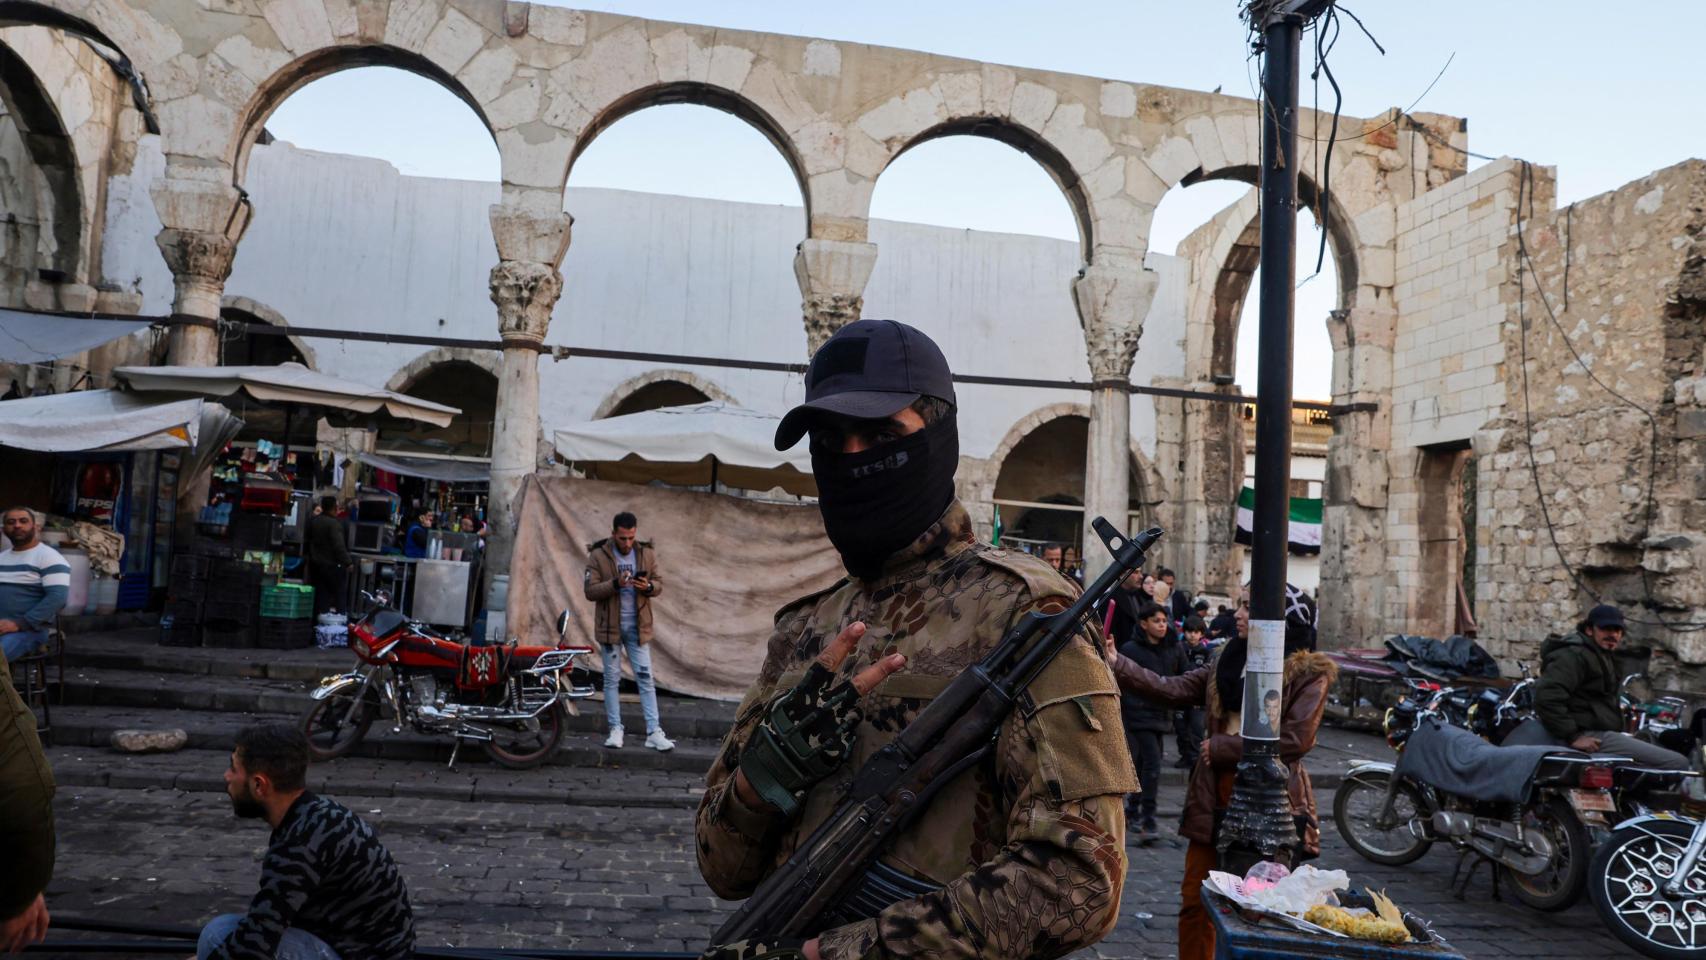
{"x":563,"y":623}
{"x":1636,"y":687}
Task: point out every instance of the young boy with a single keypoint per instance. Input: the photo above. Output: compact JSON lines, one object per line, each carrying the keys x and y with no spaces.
{"x":1188,"y":724}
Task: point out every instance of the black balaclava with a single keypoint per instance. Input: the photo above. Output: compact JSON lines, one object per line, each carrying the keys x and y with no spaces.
{"x":876,"y":502}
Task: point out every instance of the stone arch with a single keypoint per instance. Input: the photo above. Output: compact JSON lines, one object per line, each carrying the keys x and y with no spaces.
{"x":1150,"y":486}
{"x":1243,"y":248}
{"x":702,"y":94}
{"x":51,"y":149}
{"x":121,"y":36}
{"x":266,"y":96}
{"x":633,"y":385}
{"x":412,"y":371}
{"x":272,"y":318}
{"x":471,"y":432}
{"x":1051,"y":158}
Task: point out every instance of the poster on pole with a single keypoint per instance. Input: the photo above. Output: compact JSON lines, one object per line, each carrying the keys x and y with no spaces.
{"x":1264,"y":669}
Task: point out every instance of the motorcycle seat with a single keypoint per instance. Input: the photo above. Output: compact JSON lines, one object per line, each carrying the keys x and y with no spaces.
{"x":1456,"y":761}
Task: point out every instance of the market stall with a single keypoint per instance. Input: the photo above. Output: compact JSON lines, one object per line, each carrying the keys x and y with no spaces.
{"x":113,"y":462}
{"x":239,"y":583}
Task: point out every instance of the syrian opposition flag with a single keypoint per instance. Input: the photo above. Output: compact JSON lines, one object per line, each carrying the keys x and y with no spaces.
{"x":1305,"y":533}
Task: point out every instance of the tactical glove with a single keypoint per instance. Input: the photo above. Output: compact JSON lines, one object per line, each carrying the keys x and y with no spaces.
{"x":774,"y":949}
{"x":805,"y":734}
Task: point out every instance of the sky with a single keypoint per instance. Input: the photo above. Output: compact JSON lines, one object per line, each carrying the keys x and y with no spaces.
{"x":1607,"y":95}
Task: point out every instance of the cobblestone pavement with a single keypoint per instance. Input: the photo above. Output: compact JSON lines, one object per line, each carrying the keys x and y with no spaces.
{"x":595,"y":877}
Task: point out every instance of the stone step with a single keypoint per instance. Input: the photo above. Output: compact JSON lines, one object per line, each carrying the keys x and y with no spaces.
{"x":202,"y":771}
{"x":85,"y":726}
{"x":123,"y":684}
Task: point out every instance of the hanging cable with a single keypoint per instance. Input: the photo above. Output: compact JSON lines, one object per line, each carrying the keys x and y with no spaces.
{"x":1525,"y":267}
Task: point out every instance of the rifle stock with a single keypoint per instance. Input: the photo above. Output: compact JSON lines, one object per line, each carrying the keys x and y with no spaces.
{"x":955,"y":729}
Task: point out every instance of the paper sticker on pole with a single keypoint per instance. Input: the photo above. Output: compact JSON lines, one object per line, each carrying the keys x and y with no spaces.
{"x":1262,"y":699}
{"x":1267,"y":647}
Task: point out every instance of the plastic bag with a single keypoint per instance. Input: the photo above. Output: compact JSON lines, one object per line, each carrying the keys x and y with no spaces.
{"x":1296,"y":892}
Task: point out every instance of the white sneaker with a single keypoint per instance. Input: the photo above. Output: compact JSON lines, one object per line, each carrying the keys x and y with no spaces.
{"x":657,"y":741}
{"x":614,"y":741}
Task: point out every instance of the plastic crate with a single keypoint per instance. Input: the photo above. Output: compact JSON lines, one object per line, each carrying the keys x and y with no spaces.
{"x":228,"y":613}
{"x":176,"y":634}
{"x":225,"y":635}
{"x":212,"y":549}
{"x":190,"y":591}
{"x":287,"y":601}
{"x":285,"y":634}
{"x":182,"y":611}
{"x":188,"y":566}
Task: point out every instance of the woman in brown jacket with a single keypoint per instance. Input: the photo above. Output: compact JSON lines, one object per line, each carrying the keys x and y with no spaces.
{"x":1218,"y":686}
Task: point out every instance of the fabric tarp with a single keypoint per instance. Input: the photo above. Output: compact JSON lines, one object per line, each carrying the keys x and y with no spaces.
{"x":678,"y":445}
{"x":288,"y":383}
{"x":429,"y":468}
{"x":36,"y":337}
{"x":727,"y":566}
{"x":90,"y":420}
{"x":1304,"y":533}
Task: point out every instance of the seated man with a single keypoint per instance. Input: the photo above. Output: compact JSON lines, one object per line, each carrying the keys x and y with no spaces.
{"x":1576,"y":698}
{"x":329,"y":889}
{"x":34,"y":582}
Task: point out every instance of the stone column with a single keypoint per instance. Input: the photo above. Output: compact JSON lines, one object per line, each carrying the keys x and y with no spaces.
{"x":1113,"y":294}
{"x":832,"y":276}
{"x":1354,"y":568}
{"x":202,"y":222}
{"x":525,"y":286}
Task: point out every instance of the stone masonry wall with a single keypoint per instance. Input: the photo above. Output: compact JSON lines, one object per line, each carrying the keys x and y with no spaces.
{"x":1624,"y":274}
{"x":1455,"y":293}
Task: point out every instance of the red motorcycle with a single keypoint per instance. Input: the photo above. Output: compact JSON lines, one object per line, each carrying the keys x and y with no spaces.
{"x":510,"y":698}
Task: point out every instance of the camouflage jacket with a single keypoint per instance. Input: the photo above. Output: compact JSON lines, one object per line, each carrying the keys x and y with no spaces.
{"x":1029,"y":845}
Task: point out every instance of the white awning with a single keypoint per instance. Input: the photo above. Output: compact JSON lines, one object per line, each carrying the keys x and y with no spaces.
{"x":682,"y":445}
{"x":92,"y":420}
{"x":288,"y":383}
{"x":27,"y":337}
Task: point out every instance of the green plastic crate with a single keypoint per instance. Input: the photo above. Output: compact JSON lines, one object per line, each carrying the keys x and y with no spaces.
{"x":287,"y":601}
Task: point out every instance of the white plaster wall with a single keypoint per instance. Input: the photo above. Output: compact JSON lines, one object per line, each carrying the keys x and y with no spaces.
{"x":1448,"y":356}
{"x":348,"y":243}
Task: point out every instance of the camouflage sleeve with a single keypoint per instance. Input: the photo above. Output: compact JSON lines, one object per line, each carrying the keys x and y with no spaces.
{"x":1054,"y":887}
{"x":736,"y":842}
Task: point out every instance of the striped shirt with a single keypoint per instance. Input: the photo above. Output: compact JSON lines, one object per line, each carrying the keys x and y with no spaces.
{"x":327,"y":874}
{"x":34,"y":584}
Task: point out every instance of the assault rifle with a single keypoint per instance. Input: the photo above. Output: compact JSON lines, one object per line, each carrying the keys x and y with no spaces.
{"x":956,"y":731}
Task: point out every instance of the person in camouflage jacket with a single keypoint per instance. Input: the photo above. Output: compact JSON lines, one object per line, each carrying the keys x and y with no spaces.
{"x":1024,"y":853}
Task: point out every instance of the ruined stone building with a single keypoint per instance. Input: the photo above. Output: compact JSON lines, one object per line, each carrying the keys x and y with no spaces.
{"x":1518,"y":393}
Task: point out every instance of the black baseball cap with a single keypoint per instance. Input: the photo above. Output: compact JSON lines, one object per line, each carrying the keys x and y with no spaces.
{"x":869,"y":369}
{"x":1605,"y":615}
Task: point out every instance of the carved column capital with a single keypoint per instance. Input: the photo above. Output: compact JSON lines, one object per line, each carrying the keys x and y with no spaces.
{"x":525,"y":293}
{"x":832,"y":275}
{"x":1113,"y":295}
{"x":193,"y":256}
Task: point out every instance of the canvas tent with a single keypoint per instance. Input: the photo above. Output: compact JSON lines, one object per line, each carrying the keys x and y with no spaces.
{"x":290,"y":385}
{"x":107,"y":420}
{"x":695,"y":445}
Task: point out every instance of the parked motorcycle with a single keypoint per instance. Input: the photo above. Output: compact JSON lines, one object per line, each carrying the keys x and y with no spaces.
{"x":1494,"y":714}
{"x":1648,"y":885}
{"x":1537,"y":837}
{"x":511,"y":699}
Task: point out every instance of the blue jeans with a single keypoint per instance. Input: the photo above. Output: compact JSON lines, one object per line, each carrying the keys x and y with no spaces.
{"x":22,"y":643}
{"x":641,"y":660}
{"x":294,"y":945}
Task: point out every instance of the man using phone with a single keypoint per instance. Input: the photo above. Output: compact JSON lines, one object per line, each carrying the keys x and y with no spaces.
{"x":622,"y":578}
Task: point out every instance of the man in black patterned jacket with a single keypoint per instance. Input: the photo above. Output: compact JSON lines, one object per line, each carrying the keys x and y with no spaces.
{"x":329,"y":890}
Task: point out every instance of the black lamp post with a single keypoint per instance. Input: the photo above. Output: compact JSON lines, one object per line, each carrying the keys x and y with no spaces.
{"x":1258,"y":824}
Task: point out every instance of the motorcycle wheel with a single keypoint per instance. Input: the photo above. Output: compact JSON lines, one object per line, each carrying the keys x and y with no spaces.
{"x":1624,"y":882}
{"x":1357,"y":803}
{"x":329,"y":736}
{"x":523,"y":749}
{"x":1560,"y":885}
